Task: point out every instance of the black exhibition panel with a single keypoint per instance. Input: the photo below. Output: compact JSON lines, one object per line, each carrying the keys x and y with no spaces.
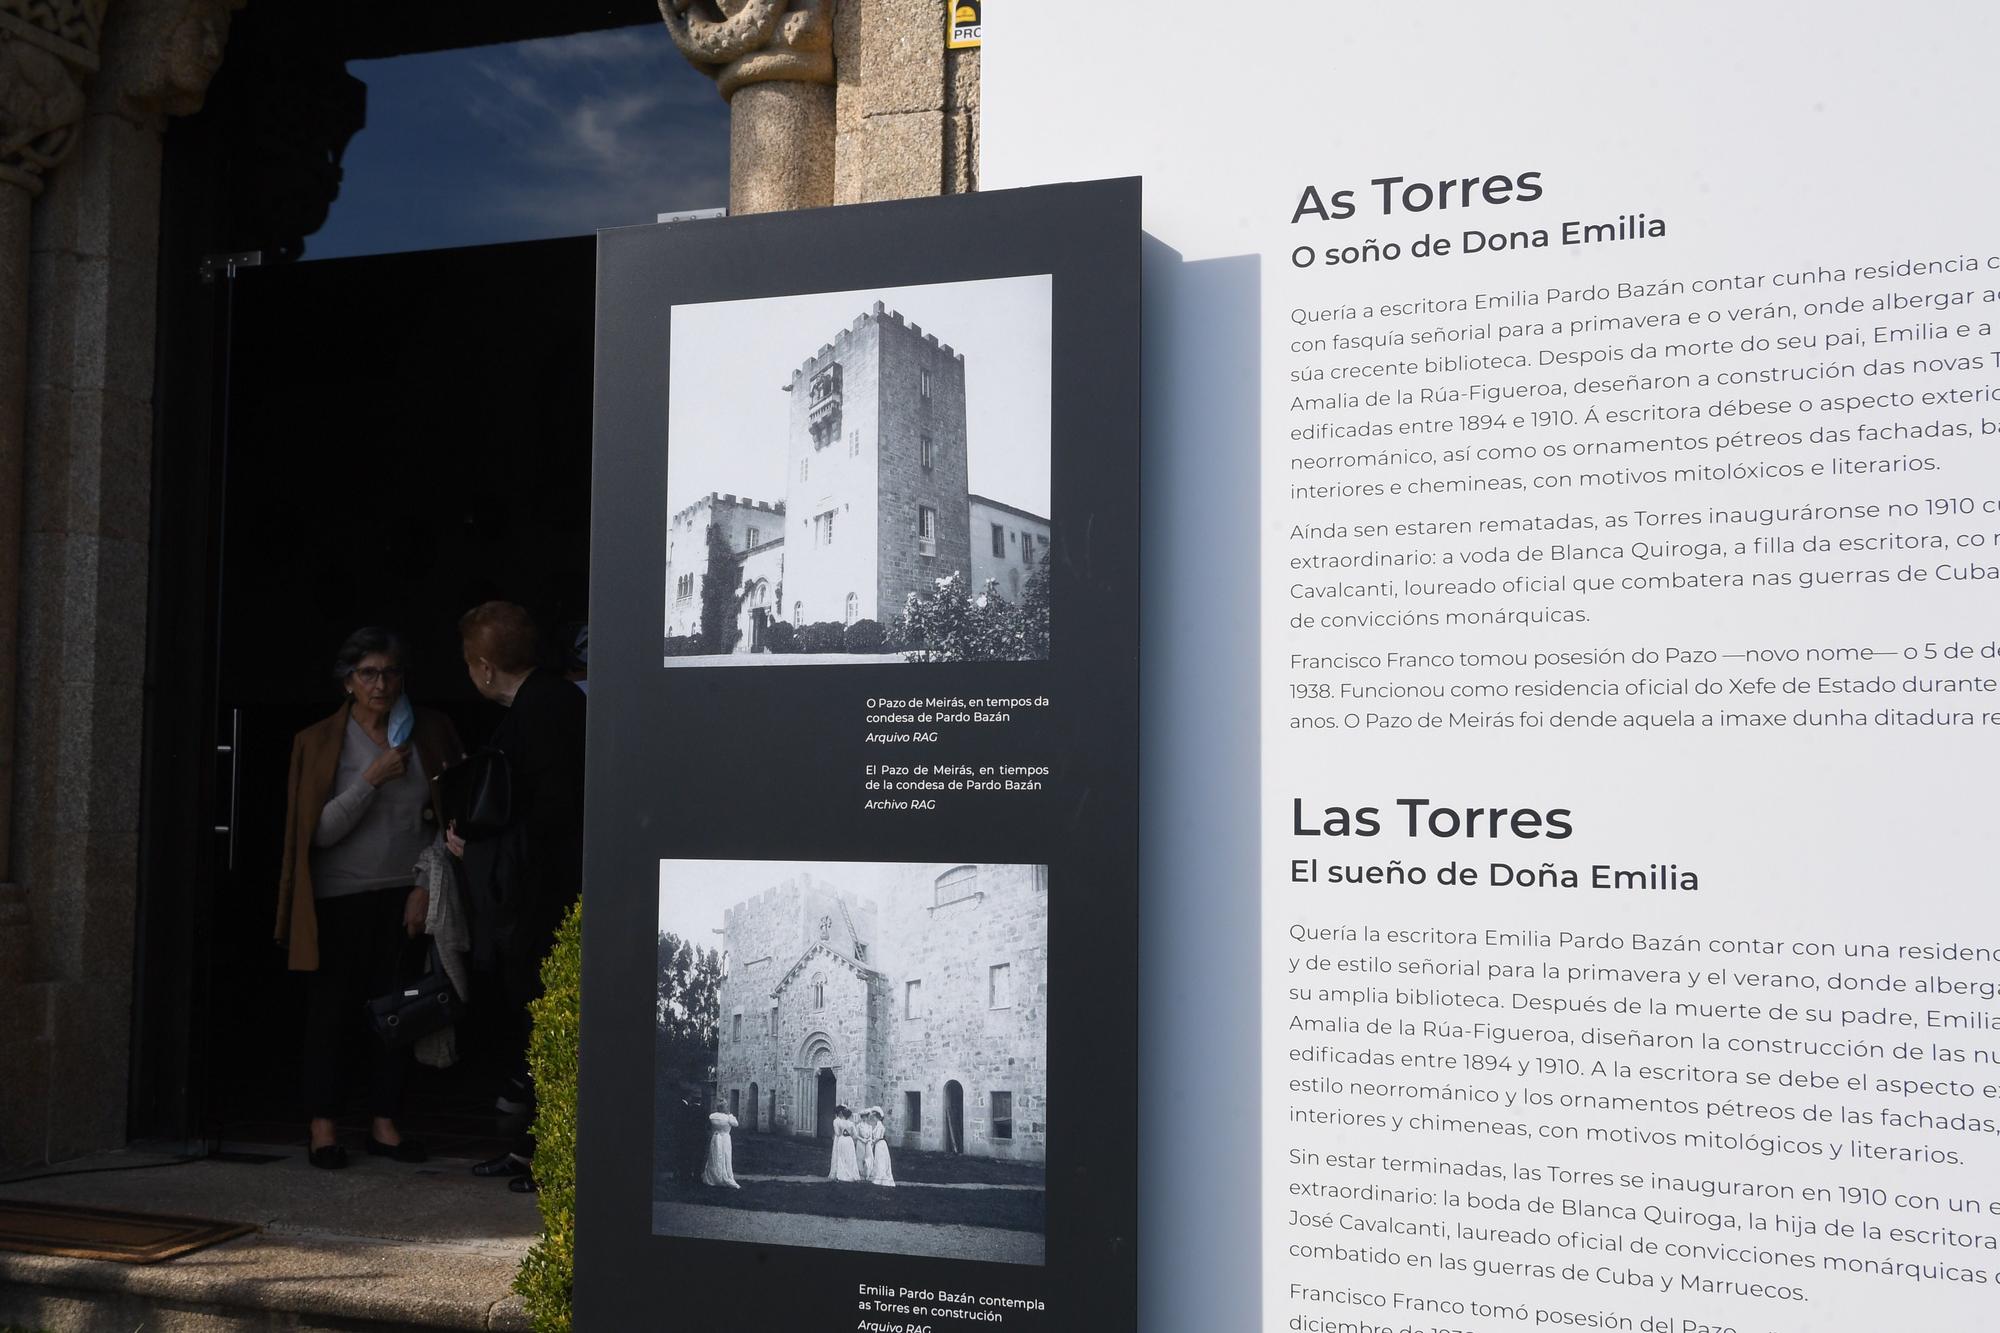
{"x":708,"y":762}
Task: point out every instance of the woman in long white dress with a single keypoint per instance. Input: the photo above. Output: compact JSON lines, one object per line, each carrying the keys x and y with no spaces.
{"x":846,"y":1166}
{"x":864,"y":1139}
{"x":879,"y":1172}
{"x":721,"y":1168}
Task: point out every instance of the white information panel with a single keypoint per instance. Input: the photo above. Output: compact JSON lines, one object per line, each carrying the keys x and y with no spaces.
{"x":1630,"y":665}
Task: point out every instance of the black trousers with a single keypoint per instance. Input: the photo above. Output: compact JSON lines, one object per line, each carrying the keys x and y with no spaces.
{"x":519,"y":978}
{"x":363,"y":952}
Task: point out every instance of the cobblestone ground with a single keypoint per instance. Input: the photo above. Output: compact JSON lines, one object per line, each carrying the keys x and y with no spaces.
{"x":935,"y":1240}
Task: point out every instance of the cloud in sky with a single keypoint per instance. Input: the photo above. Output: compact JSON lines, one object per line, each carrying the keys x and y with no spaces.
{"x":524,"y":140}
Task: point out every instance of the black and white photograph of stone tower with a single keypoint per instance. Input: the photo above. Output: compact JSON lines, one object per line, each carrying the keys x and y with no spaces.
{"x":860,"y":476}
{"x":854,"y":1055}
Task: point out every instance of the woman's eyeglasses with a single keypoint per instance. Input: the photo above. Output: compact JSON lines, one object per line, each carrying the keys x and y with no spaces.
{"x":376,"y":675}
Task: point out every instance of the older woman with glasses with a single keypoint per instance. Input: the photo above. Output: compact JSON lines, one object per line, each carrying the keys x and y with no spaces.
{"x":358,"y":816}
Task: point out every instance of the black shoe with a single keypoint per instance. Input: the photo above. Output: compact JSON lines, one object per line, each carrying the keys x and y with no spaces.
{"x":409,"y":1150}
{"x":521,"y":1185}
{"x":506,"y":1164}
{"x":331,"y":1157}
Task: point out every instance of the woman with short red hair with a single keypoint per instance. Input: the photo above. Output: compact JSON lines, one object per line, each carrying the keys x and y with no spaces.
{"x":522,"y":879}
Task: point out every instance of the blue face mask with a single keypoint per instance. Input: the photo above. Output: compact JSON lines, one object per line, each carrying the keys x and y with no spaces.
{"x":402,"y":721}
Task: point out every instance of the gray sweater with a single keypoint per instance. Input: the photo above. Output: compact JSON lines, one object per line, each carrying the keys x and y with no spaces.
{"x":370,"y":837}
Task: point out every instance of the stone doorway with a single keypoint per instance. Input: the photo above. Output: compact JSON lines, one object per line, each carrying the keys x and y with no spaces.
{"x":755,"y":1106}
{"x":954,"y":1117}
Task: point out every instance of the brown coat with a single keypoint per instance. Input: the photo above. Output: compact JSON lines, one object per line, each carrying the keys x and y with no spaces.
{"x":315,"y":761}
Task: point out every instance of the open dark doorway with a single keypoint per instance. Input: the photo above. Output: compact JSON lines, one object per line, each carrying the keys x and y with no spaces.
{"x":408,"y":436}
{"x":823,"y":1126}
{"x":954,"y":1117}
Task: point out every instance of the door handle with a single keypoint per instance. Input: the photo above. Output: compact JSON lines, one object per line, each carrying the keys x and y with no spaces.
{"x":234,"y":749}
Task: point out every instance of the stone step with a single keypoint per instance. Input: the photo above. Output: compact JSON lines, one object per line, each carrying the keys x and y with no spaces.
{"x":376,"y":1247}
{"x":61,"y":1310}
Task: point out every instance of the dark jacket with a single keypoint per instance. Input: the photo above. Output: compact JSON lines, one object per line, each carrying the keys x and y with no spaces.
{"x":315,"y":761}
{"x":521,"y":881}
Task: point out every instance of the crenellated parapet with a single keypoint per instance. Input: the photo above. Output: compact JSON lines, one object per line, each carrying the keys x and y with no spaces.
{"x":702,"y":512}
{"x":877,"y":314}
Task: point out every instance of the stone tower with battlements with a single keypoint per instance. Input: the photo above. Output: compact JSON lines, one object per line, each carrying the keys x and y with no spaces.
{"x":875,"y":478}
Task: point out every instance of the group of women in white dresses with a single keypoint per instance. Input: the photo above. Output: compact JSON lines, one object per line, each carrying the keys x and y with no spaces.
{"x":860,"y":1147}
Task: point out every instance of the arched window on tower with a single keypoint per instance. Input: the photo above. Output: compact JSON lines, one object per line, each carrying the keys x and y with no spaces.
{"x":853,"y":607}
{"x":956,"y":885}
{"x":799,"y":614}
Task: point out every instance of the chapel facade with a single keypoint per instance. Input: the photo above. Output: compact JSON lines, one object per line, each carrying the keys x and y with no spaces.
{"x":929,"y":1000}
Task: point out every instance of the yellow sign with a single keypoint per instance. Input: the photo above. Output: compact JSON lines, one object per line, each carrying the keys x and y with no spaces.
{"x":962,"y":28}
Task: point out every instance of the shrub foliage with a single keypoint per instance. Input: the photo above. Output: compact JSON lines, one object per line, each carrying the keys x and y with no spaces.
{"x":823,"y":636}
{"x":548,"y":1272}
{"x":864,"y":636}
{"x":949,"y":623}
{"x":718,"y":594}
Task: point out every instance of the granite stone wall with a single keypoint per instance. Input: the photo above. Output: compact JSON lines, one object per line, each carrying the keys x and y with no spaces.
{"x":839,"y":971}
{"x":960,"y":1027}
{"x":910,"y":359}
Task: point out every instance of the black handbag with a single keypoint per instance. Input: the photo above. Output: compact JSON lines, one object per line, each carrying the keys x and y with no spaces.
{"x":477,"y":794}
{"x":412,"y":1012}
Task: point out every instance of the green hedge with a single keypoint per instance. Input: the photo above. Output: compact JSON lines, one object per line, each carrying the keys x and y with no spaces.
{"x":548,"y":1272}
{"x":865,"y":636}
{"x":823,"y":636}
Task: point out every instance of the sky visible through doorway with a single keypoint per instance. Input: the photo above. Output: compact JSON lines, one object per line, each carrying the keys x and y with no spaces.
{"x":525,"y":141}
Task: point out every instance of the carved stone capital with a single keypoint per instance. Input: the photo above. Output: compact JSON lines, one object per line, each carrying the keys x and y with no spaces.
{"x":740,"y":42}
{"x":47,"y":49}
{"x":163,"y":53}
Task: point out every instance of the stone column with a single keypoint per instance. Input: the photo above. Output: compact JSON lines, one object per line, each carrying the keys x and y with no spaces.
{"x":14,"y":200}
{"x":87,"y":410}
{"x":773,"y":61}
{"x":46,"y":52}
